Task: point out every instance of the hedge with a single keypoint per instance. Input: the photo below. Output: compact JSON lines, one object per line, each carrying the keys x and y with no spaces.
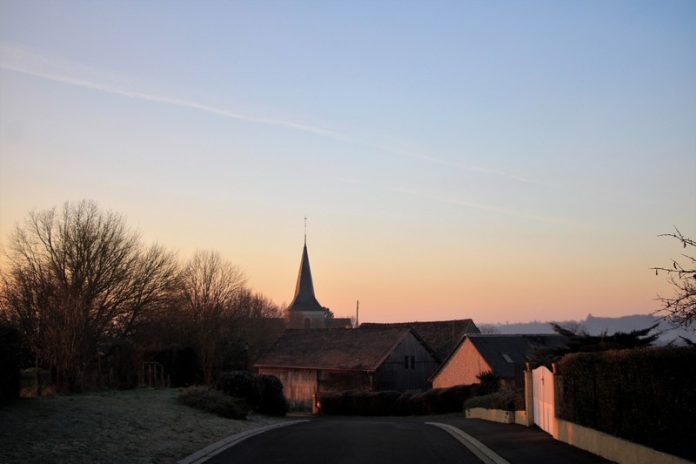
{"x":263,"y":393}
{"x":507,"y":400}
{"x":647,"y":396}
{"x":214,"y":401}
{"x":394,"y":403}
{"x":10,"y":359}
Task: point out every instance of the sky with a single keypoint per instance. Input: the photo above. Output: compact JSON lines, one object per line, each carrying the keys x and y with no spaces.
{"x":501,"y":161}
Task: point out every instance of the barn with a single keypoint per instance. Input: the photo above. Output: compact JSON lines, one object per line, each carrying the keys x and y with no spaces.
{"x":441,"y":336}
{"x":313,"y":361}
{"x":503,"y":355}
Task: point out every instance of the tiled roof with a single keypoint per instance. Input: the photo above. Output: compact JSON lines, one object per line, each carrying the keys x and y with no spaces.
{"x":339,"y":323}
{"x":339,"y":349}
{"x":441,"y":336}
{"x":506,"y":353}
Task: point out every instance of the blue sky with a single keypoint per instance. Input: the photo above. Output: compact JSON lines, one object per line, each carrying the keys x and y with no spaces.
{"x":495,"y":160}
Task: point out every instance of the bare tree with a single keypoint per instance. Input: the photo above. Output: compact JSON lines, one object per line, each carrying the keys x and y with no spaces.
{"x":489,"y":329}
{"x":254,"y":305}
{"x":77,"y":277}
{"x":681,"y":308}
{"x":209,"y":287}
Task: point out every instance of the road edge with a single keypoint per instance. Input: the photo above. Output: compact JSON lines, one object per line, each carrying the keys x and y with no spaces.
{"x":481,"y":451}
{"x":209,"y":451}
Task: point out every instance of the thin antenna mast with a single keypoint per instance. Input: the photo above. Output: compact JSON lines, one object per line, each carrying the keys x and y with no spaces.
{"x":305,"y":230}
{"x":357,"y":313}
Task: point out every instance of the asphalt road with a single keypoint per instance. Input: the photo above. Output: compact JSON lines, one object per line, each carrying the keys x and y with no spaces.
{"x":397,"y":440}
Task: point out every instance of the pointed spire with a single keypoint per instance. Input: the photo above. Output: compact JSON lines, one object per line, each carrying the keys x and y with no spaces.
{"x":304,"y":299}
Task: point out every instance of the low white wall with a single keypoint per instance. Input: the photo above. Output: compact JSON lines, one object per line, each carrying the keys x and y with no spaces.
{"x":522,"y":418}
{"x":498,"y":415}
{"x":610,"y":447}
{"x":493,"y":415}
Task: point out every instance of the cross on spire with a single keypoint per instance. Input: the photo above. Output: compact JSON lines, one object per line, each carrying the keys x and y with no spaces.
{"x":305,"y":230}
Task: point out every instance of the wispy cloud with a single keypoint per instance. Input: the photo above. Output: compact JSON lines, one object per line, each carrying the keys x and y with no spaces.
{"x":449,"y":164}
{"x":25,"y":62}
{"x":506,"y":211}
{"x":21,"y":60}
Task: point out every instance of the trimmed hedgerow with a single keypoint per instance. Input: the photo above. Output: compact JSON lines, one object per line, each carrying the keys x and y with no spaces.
{"x":394,"y":403}
{"x":506,"y":399}
{"x":647,"y":396}
{"x":215,"y":401}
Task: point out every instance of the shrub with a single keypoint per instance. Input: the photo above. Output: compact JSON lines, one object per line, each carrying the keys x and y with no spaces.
{"x":507,"y":400}
{"x":10,"y":355}
{"x":386,"y":403}
{"x":489,"y":383}
{"x":644,"y":395}
{"x":272,"y":401}
{"x":263,"y":393}
{"x":214,"y":401}
{"x":240,"y":384}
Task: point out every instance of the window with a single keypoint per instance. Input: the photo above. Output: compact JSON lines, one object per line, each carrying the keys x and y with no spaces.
{"x":307,"y":323}
{"x":413,"y":362}
{"x":405,"y":362}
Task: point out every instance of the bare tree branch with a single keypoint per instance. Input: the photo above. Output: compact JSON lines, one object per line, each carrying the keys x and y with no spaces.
{"x":680,"y":308}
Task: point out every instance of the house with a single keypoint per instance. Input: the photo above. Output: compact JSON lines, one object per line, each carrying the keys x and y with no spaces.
{"x":309,"y":362}
{"x":441,"y":336}
{"x":503,"y":355}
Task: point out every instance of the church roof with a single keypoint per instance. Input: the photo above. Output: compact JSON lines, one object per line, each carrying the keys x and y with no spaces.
{"x":304,"y":299}
{"x":334,"y":349}
{"x":441,"y":336}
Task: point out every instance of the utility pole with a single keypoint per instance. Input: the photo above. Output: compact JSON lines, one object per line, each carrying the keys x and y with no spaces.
{"x":357,"y":314}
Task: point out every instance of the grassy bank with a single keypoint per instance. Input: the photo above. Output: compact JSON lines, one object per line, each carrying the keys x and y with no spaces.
{"x":134,"y":426}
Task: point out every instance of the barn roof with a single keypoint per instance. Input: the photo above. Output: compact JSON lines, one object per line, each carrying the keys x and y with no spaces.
{"x":333,"y":349}
{"x":442,"y":337}
{"x":506,"y":353}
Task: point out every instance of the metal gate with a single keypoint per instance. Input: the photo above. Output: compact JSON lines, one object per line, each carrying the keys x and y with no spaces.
{"x":544,"y":401}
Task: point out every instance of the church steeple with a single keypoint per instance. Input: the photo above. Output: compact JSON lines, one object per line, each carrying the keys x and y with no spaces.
{"x":304,"y":299}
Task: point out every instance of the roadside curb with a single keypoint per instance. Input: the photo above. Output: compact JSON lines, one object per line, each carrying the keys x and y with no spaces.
{"x":209,"y":451}
{"x":484,"y":453}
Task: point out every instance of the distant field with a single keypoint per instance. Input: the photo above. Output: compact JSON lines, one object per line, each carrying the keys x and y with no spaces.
{"x":134,"y":426}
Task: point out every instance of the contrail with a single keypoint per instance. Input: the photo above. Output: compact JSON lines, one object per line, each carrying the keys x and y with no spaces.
{"x":17,"y":59}
{"x":163,"y":99}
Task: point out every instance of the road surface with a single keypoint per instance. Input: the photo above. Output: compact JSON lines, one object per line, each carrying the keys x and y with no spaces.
{"x":399,"y":441}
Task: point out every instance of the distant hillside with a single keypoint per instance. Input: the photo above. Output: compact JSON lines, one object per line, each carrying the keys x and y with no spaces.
{"x":597,"y":325}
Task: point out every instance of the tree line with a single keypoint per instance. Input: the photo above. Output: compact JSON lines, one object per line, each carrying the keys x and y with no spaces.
{"x":78,"y":283}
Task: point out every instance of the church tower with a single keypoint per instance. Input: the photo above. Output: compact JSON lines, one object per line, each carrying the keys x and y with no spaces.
{"x":305,"y":312}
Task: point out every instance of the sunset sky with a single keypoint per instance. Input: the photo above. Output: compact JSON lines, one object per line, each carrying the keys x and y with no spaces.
{"x":504,"y":161}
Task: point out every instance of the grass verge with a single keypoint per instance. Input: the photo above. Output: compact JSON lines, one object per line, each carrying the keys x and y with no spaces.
{"x":134,"y":426}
